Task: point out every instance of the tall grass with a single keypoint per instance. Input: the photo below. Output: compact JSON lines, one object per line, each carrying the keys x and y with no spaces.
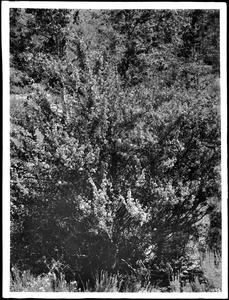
{"x":26,"y":282}
{"x":105,"y":282}
{"x":212,"y":268}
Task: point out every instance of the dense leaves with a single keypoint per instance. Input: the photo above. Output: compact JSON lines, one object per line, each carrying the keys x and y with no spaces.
{"x":115,"y":138}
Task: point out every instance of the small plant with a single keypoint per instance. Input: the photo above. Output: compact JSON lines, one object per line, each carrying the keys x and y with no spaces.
{"x":175,"y":285}
{"x":117,"y":283}
{"x":197,"y":286}
{"x":187,"y":288}
{"x":26,"y":282}
{"x":107,"y":282}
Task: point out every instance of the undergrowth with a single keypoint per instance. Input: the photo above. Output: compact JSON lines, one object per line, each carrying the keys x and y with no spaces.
{"x":212,"y":268}
{"x":105,"y":282}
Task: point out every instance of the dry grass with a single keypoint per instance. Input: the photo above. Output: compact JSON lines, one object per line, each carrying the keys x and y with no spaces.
{"x":212,"y":268}
{"x":26,"y":282}
{"x":105,"y":282}
{"x":211,"y":265}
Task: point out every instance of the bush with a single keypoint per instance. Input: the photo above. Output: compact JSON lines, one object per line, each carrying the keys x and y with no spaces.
{"x":108,"y":170}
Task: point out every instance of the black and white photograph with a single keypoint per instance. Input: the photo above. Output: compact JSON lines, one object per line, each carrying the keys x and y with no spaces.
{"x":114,"y":150}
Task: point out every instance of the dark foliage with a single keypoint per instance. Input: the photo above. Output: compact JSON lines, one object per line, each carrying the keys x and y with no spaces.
{"x":115,"y":140}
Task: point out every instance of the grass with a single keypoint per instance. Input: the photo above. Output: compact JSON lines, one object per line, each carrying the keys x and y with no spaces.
{"x":105,"y":282}
{"x":212,"y":268}
{"x":26,"y":282}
